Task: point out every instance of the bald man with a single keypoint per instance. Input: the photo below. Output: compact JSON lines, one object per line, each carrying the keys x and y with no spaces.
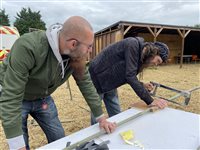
{"x":37,"y":65}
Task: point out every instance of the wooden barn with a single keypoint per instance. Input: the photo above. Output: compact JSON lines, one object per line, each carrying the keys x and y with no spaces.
{"x":183,"y":41}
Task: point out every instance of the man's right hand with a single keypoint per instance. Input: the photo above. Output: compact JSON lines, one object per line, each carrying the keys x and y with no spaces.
{"x":148,"y":86}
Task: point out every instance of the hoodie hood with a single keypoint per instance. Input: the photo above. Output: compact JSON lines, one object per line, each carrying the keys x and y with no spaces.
{"x":141,"y":42}
{"x":141,"y":45}
{"x":52,"y":34}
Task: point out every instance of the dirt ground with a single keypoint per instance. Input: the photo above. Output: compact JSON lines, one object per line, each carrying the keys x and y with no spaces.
{"x":74,"y":114}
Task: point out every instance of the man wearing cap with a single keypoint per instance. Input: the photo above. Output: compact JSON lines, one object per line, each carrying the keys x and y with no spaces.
{"x":120,"y":63}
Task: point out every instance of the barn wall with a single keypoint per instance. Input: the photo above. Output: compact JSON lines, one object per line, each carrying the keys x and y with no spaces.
{"x":101,"y":41}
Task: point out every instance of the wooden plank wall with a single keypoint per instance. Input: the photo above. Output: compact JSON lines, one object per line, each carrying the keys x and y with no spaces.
{"x":101,"y":41}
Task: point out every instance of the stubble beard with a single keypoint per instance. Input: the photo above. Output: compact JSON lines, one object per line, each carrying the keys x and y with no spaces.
{"x":78,"y":63}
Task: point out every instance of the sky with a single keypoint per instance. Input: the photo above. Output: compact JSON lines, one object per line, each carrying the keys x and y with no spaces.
{"x":103,"y":13}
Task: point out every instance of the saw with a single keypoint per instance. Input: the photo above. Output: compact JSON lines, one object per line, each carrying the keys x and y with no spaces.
{"x":180,"y":93}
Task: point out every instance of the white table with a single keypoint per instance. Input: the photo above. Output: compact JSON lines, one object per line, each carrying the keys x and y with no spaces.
{"x":164,"y":129}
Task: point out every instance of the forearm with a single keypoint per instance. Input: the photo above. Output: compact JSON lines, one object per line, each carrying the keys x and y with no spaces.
{"x":140,"y":90}
{"x":90,"y":94}
{"x":11,"y":103}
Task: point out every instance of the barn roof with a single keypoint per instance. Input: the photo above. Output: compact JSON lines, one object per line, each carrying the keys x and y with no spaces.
{"x":140,"y":25}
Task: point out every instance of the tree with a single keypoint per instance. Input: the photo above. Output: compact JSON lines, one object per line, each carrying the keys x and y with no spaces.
{"x":26,"y":19}
{"x":4,"y":18}
{"x":197,"y":26}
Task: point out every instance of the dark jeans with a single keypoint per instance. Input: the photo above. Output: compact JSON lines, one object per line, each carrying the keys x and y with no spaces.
{"x":44,"y":111}
{"x":111,"y":102}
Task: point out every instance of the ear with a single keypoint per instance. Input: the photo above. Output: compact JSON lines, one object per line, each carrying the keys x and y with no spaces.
{"x":74,"y":43}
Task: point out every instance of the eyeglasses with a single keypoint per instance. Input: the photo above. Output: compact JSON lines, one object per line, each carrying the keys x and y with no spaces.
{"x":87,"y":45}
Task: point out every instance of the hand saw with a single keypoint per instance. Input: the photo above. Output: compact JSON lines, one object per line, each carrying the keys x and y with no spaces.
{"x":181,"y":93}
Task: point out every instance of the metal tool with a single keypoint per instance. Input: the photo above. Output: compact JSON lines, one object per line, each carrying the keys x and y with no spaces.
{"x":181,"y":93}
{"x":102,"y":132}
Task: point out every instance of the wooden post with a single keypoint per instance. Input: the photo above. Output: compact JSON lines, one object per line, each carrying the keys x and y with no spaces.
{"x":182,"y":48}
{"x":183,"y":36}
{"x":155,"y":30}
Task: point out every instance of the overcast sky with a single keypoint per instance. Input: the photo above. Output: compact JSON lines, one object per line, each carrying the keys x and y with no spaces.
{"x":102,"y":13}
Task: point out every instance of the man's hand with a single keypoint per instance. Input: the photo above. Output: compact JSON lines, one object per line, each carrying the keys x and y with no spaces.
{"x":109,"y":127}
{"x":148,"y":86}
{"x":160,"y":103}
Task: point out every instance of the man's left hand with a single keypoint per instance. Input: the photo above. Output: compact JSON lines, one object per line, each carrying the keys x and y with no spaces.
{"x":160,"y":103}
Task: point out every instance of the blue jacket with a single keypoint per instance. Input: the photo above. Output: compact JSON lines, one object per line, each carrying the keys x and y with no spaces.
{"x":118,"y":64}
